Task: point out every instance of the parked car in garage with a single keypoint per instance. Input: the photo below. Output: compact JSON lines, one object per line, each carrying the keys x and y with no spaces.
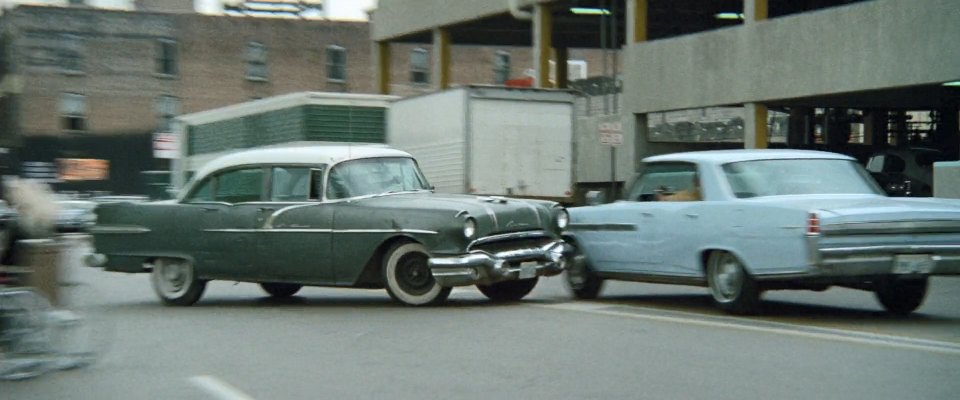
{"x":349,"y":216}
{"x":744,"y":221}
{"x":75,"y":216}
{"x":905,"y":172}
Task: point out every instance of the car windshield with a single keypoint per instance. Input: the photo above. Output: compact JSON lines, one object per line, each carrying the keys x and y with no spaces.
{"x":374,"y":176}
{"x":760,"y":178}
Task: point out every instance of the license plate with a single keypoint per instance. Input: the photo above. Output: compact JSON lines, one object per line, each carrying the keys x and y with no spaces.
{"x":912,"y":264}
{"x":528,"y":270}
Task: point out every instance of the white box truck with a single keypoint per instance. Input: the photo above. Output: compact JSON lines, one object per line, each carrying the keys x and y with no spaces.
{"x":490,"y":140}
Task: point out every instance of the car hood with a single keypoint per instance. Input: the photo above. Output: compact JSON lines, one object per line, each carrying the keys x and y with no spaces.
{"x":493,"y":214}
{"x":843,"y":209}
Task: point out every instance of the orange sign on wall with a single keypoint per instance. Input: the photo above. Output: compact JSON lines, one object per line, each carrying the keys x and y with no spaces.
{"x":83,"y":169}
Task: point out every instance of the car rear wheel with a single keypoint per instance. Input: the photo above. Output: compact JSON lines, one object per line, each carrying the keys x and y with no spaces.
{"x":582,"y":281}
{"x":732,"y":287}
{"x":508,"y":290}
{"x":175,"y":282}
{"x":901,"y":296}
{"x":280,"y":289}
{"x":407,"y":276}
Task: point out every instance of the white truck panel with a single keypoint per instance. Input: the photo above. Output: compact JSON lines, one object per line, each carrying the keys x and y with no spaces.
{"x":431,"y":128}
{"x":521,"y":148}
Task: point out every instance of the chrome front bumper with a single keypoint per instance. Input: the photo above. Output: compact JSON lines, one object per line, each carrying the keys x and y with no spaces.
{"x":480,"y":267}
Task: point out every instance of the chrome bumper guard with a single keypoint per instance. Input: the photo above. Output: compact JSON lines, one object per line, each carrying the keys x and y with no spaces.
{"x":480,"y":267}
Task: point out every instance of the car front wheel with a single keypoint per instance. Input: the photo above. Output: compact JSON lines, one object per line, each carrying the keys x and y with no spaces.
{"x":901,"y":296}
{"x":508,"y":290}
{"x":280,"y":290}
{"x":175,"y":282}
{"x":408,"y":278}
{"x":732,"y":287}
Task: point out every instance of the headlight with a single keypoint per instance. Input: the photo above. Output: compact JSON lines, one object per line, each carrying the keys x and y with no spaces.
{"x":469,"y":228}
{"x":563,"y":218}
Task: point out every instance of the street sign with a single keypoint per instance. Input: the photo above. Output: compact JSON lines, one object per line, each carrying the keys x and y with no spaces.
{"x":611,"y":133}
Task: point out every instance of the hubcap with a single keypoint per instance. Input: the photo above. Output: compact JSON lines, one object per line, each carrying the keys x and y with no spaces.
{"x":728,"y":279}
{"x":413,"y":275}
{"x":175,"y":276}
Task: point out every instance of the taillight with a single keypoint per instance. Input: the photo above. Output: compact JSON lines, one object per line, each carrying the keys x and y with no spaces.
{"x":813,"y":224}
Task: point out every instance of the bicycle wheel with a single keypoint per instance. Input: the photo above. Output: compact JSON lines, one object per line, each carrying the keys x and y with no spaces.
{"x":25,"y":347}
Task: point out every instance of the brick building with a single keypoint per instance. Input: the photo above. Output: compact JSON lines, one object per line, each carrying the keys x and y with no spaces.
{"x":92,"y":84}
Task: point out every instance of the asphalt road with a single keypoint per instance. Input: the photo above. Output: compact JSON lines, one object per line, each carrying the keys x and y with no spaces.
{"x":639,"y":341}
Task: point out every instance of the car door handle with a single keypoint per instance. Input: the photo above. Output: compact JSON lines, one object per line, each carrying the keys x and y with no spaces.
{"x":210,"y":209}
{"x":646,"y":214}
{"x":265,"y":209}
{"x":691,"y":215}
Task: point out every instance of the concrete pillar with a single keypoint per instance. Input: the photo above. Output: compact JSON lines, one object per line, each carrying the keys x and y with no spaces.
{"x":562,"y":73}
{"x":874,"y":127}
{"x":754,"y":126}
{"x":754,"y":10}
{"x":381,"y":56}
{"x":637,"y":21}
{"x":800,"y":131}
{"x":42,"y":257}
{"x":542,"y":44}
{"x":441,"y":58}
{"x":947,"y":135}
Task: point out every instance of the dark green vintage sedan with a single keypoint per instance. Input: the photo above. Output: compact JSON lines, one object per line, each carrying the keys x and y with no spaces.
{"x":346,"y":216}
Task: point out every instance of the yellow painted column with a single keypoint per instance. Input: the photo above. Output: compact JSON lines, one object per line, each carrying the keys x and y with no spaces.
{"x":637,"y":20}
{"x":755,"y":126}
{"x":755,"y":10}
{"x":542,"y":43}
{"x":441,"y":58}
{"x":382,"y":58}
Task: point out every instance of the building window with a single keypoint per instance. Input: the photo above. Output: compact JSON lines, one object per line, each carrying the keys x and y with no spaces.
{"x":166,"y":57}
{"x":73,"y":112}
{"x":336,"y":63}
{"x":419,"y":66}
{"x":167,"y":107}
{"x":71,"y":54}
{"x":501,"y":67}
{"x":256,"y":61}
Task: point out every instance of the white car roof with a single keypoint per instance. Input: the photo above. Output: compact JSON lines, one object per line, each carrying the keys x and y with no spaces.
{"x":306,"y":154}
{"x":727,"y":156}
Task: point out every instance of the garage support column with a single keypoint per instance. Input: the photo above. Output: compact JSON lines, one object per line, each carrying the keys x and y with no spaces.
{"x":754,"y":10}
{"x":381,"y":56}
{"x":637,"y":21}
{"x":754,"y":126}
{"x":800,"y":131}
{"x":441,"y":58}
{"x":542,"y":43}
{"x":562,"y":73}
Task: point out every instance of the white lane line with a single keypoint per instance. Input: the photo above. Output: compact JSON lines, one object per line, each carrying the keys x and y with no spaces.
{"x":218,"y":389}
{"x":901,"y":342}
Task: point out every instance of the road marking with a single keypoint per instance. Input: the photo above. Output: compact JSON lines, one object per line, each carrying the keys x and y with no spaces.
{"x":686,"y":318}
{"x":218,"y":389}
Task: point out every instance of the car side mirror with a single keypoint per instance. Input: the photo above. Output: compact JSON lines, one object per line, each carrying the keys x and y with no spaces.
{"x":594,"y":197}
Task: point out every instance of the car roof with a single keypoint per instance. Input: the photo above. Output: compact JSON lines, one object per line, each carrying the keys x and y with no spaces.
{"x":727,"y":156}
{"x":302,"y":154}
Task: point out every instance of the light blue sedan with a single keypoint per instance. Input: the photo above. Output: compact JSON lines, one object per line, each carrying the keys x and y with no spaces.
{"x":744,"y":221}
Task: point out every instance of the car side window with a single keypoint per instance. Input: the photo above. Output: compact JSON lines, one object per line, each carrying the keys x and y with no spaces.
{"x":290,"y":184}
{"x":204,"y":192}
{"x":240,"y":185}
{"x":672,"y":181}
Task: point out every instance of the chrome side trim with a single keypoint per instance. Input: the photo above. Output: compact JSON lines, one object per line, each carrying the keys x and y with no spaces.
{"x":268,"y":224}
{"x":319,"y":230}
{"x":118,"y":229}
{"x":603,"y":227}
